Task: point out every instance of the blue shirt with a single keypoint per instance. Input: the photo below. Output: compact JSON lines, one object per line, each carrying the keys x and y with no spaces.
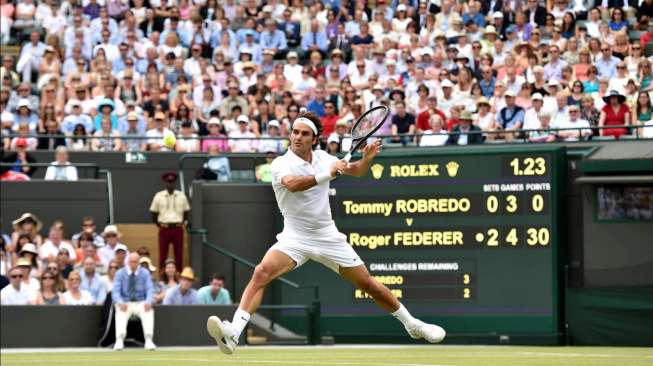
{"x":318,"y":38}
{"x":316,"y":107}
{"x":606,"y":68}
{"x":487,"y":88}
{"x":204,"y":296}
{"x":144,"y":291}
{"x":175,"y":297}
{"x":95,"y":286}
{"x":274,"y":40}
{"x":510,"y":122}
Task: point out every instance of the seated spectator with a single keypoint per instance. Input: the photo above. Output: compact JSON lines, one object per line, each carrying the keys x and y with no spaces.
{"x":16,"y":293}
{"x":21,"y":159}
{"x":146,"y":262}
{"x":402,"y":123}
{"x":272,"y":142}
{"x":187,"y":140}
{"x":333,"y":145}
{"x":75,"y":294}
{"x":543,"y":134}
{"x":215,"y":136}
{"x":91,"y":281}
{"x":169,"y":278}
{"x":108,"y":278}
{"x":88,"y":226}
{"x":132,"y":141}
{"x":133,"y":295}
{"x":242,"y":140}
{"x":106,"y":138}
{"x":436,"y":135}
{"x":460,"y":135}
{"x":49,"y":293}
{"x":55,"y":243}
{"x":214,"y":293}
{"x":78,"y":140}
{"x":614,"y":113}
{"x":64,"y":263}
{"x":263,"y":172}
{"x":155,"y":135}
{"x":511,"y":117}
{"x":29,"y":252}
{"x":216,"y":167}
{"x":342,"y":136}
{"x":29,"y":225}
{"x":111,"y":240}
{"x":60,"y":169}
{"x":574,"y":121}
{"x":183,"y":293}
{"x":59,"y":284}
{"x":55,"y":138}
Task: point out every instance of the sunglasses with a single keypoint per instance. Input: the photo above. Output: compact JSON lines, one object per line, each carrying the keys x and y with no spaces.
{"x":48,"y":278}
{"x":74,"y":279}
{"x":17,"y":276}
{"x":293,"y":110}
{"x":53,"y":268}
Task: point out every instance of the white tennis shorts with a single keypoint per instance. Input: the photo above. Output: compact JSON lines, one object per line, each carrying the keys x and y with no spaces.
{"x":327,"y":246}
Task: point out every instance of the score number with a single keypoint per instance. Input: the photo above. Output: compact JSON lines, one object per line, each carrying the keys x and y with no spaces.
{"x":534,"y":237}
{"x":528,"y":166}
{"x":511,"y":204}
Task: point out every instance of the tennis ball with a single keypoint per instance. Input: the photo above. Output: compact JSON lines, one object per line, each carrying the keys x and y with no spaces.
{"x":169,"y":139}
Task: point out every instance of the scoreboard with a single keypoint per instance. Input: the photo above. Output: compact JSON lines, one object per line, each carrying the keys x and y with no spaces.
{"x":457,"y":235}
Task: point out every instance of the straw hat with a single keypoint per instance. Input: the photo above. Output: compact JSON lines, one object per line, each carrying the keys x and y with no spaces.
{"x":188,"y":274}
{"x":147,"y":260}
{"x":111,"y":229}
{"x":27,"y":216}
{"x":29,"y":248}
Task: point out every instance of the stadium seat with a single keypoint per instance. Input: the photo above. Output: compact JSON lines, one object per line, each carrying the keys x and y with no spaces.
{"x":648,"y":50}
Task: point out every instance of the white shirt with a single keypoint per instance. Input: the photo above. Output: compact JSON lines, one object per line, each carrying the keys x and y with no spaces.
{"x":307,"y":210}
{"x":85,"y":299}
{"x":49,"y":249}
{"x":57,"y":172}
{"x":10,"y":296}
{"x":531,"y":119}
{"x":434,"y":139}
{"x":155,"y":137}
{"x":578,"y":123}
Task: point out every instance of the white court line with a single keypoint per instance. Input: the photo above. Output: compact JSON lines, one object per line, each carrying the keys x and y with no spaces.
{"x":572,"y":355}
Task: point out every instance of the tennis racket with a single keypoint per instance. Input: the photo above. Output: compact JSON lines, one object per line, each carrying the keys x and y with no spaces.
{"x":365,"y":127}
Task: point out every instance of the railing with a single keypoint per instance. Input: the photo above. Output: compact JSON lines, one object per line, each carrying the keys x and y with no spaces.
{"x":203,"y":156}
{"x":313,"y":311}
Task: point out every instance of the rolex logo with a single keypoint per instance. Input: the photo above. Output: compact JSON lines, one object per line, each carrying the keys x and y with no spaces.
{"x":452,"y":168}
{"x":377,"y":171}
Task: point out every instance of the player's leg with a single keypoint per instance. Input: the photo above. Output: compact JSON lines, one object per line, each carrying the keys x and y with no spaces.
{"x":361,"y":278}
{"x":274,"y":264}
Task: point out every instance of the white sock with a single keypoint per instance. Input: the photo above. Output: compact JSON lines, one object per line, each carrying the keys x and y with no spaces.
{"x":241,"y":318}
{"x":404,"y":316}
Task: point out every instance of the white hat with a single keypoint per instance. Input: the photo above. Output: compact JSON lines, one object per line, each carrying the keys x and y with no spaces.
{"x":292,"y":54}
{"x":537,"y":96}
{"x":333,"y":138}
{"x":401,"y":7}
{"x":273,"y":123}
{"x":267,"y":9}
{"x":29,"y":248}
{"x":214,"y":121}
{"x":426,"y":51}
{"x":242,"y":118}
{"x":111,"y":229}
{"x":497,"y":14}
{"x":120,"y":246}
{"x":7,"y":116}
{"x":390,"y":62}
{"x":23,"y":102}
{"x":553,"y":82}
{"x":509,"y":93}
{"x":446,"y":83}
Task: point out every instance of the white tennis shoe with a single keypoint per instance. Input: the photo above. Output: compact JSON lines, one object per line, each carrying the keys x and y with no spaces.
{"x":149,"y":345}
{"x":119,"y":345}
{"x":223,"y":333}
{"x":430,"y":332}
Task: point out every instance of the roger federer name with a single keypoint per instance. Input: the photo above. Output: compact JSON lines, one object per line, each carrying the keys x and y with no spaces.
{"x":407,"y":239}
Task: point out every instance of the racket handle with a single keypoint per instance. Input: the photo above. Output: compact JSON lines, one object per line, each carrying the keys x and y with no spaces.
{"x":347,"y":158}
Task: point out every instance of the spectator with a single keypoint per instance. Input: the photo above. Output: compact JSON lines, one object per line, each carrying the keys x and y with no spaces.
{"x":92,"y":282}
{"x":133,"y":134}
{"x":614,"y":113}
{"x":215,"y":137}
{"x":108,"y":278}
{"x":263,"y":171}
{"x":61,"y":169}
{"x":543,"y":132}
{"x":49,"y":293}
{"x":169,"y":211}
{"x":589,"y":112}
{"x":214,"y":293}
{"x":465,"y":133}
{"x":183,"y":293}
{"x":155,"y":135}
{"x":242,"y":140}
{"x":29,"y":252}
{"x":106,"y":138}
{"x":78,"y":140}
{"x":402,"y":123}
{"x":187,"y":140}
{"x":29,"y":281}
{"x":272,"y":141}
{"x":574,"y":121}
{"x":121,"y":251}
{"x":27,"y":224}
{"x":21,"y":159}
{"x":88,"y":226}
{"x":133,"y":295}
{"x":54,"y":140}
{"x":16,"y":293}
{"x":75,"y":294}
{"x":216,"y":167}
{"x":434,"y":136}
{"x":341,"y":136}
{"x":169,"y":278}
{"x":511,"y":117}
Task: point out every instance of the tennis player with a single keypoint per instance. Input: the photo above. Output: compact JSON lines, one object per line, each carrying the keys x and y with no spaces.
{"x":301,"y":185}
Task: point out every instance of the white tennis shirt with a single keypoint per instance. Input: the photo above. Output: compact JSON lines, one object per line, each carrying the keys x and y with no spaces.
{"x":307,"y":210}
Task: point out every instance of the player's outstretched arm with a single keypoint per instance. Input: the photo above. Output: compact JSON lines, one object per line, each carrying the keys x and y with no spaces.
{"x":298,"y":183}
{"x":360,"y":167}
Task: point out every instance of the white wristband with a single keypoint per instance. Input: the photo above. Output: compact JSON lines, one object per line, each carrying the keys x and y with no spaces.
{"x":323,"y":177}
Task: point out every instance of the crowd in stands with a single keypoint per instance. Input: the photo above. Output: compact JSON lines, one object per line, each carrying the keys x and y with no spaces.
{"x":86,"y":269}
{"x":116,"y":75}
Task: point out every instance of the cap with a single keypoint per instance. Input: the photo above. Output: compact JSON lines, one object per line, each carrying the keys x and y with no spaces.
{"x":273,"y":123}
{"x":292,"y":54}
{"x":268,"y":52}
{"x":333,"y":138}
{"x":131,"y":116}
{"x":377,"y":87}
{"x":390,"y":61}
{"x":446,"y":83}
{"x":120,"y":246}
{"x":159,"y":115}
{"x":147,"y":260}
{"x":6,"y":116}
{"x":29,"y":248}
{"x":169,"y":176}
{"x":111,"y":229}
{"x":336,"y":51}
{"x":537,"y":96}
{"x":465,"y":115}
{"x":267,"y":9}
{"x":490,"y":29}
{"x":188,"y":274}
{"x":426,"y":51}
{"x":21,"y":142}
{"x":379,"y":51}
{"x":23,"y":262}
{"x":49,"y":49}
{"x":214,"y":121}
{"x":553,"y":82}
{"x":75,"y":103}
{"x":483,"y":100}
{"x":242,"y":119}
{"x":401,"y":7}
{"x":341,"y":122}
{"x":509,"y":93}
{"x":497,"y":14}
{"x":23,"y":102}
